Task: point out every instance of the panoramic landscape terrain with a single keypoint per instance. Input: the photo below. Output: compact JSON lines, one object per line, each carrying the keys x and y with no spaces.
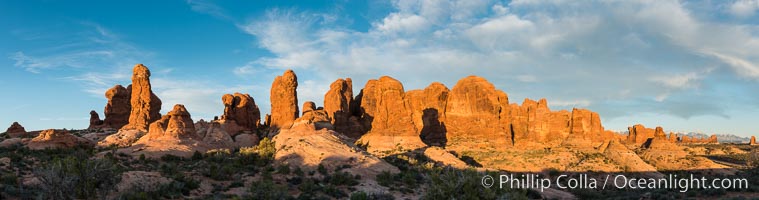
{"x":379,"y":100}
{"x":382,"y":143}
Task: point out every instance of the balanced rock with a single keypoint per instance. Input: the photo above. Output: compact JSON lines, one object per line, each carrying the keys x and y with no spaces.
{"x":313,"y":118}
{"x":476,"y":115}
{"x":145,"y":105}
{"x":55,"y":139}
{"x":428,"y":112}
{"x":284,"y":101}
{"x":242,"y":109}
{"x":308,"y":106}
{"x":16,"y":130}
{"x":339,"y":105}
{"x":119,"y":106}
{"x":95,"y":121}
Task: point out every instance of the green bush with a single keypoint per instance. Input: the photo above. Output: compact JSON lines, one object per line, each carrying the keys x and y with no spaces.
{"x":385,"y":178}
{"x":283,"y":169}
{"x":77,"y":178}
{"x":266,"y":189}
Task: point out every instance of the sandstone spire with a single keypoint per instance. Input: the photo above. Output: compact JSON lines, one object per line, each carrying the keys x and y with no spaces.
{"x":95,"y":121}
{"x":284,"y":101}
{"x":339,"y":105}
{"x":752,"y":141}
{"x":145,"y":104}
{"x":118,"y":108}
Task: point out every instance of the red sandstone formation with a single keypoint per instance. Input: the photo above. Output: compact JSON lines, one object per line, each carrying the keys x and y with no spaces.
{"x":242,"y":109}
{"x":428,"y":112}
{"x":145,"y":104}
{"x":118,"y":108}
{"x":752,"y":141}
{"x":638,"y":134}
{"x":284,"y":101}
{"x":384,"y":108}
{"x":339,"y":104}
{"x":313,"y":118}
{"x":53,"y":139}
{"x":585,"y":129}
{"x":16,"y":130}
{"x":173,"y":134}
{"x":477,"y":114}
{"x":387,"y":116}
{"x":175,"y":125}
{"x":672,"y":137}
{"x":95,"y":121}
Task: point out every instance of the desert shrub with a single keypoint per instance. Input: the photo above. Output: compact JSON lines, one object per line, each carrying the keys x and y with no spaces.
{"x":360,"y":195}
{"x":341,"y":178}
{"x":283,"y":169}
{"x":197,"y":155}
{"x":298,"y":171}
{"x":322,"y":170}
{"x":266,"y":189}
{"x":466,"y":184}
{"x":335,"y":192}
{"x":219,"y":172}
{"x":77,"y":178}
{"x":170,"y":158}
{"x":181,"y":186}
{"x":308,"y":187}
{"x":385,"y":178}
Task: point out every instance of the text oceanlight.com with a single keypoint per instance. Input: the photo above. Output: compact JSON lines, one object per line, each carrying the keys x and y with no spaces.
{"x":583,"y":181}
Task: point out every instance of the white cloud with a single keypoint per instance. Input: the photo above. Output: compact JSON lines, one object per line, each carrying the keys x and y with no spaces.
{"x":399,"y":23}
{"x":744,"y":8}
{"x":203,"y":6}
{"x":606,"y":52}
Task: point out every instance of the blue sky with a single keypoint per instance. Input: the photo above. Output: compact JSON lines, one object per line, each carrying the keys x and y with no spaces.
{"x":683,"y":65}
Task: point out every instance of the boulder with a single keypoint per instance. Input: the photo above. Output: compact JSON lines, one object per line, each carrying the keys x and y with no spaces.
{"x":215,"y":136}
{"x":119,"y":106}
{"x":145,"y":105}
{"x":242,"y":109}
{"x":313,"y":118}
{"x":122,"y":138}
{"x":55,"y":139}
{"x":284,"y":101}
{"x":16,"y":130}
{"x":245,"y":140}
{"x":308,"y":106}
